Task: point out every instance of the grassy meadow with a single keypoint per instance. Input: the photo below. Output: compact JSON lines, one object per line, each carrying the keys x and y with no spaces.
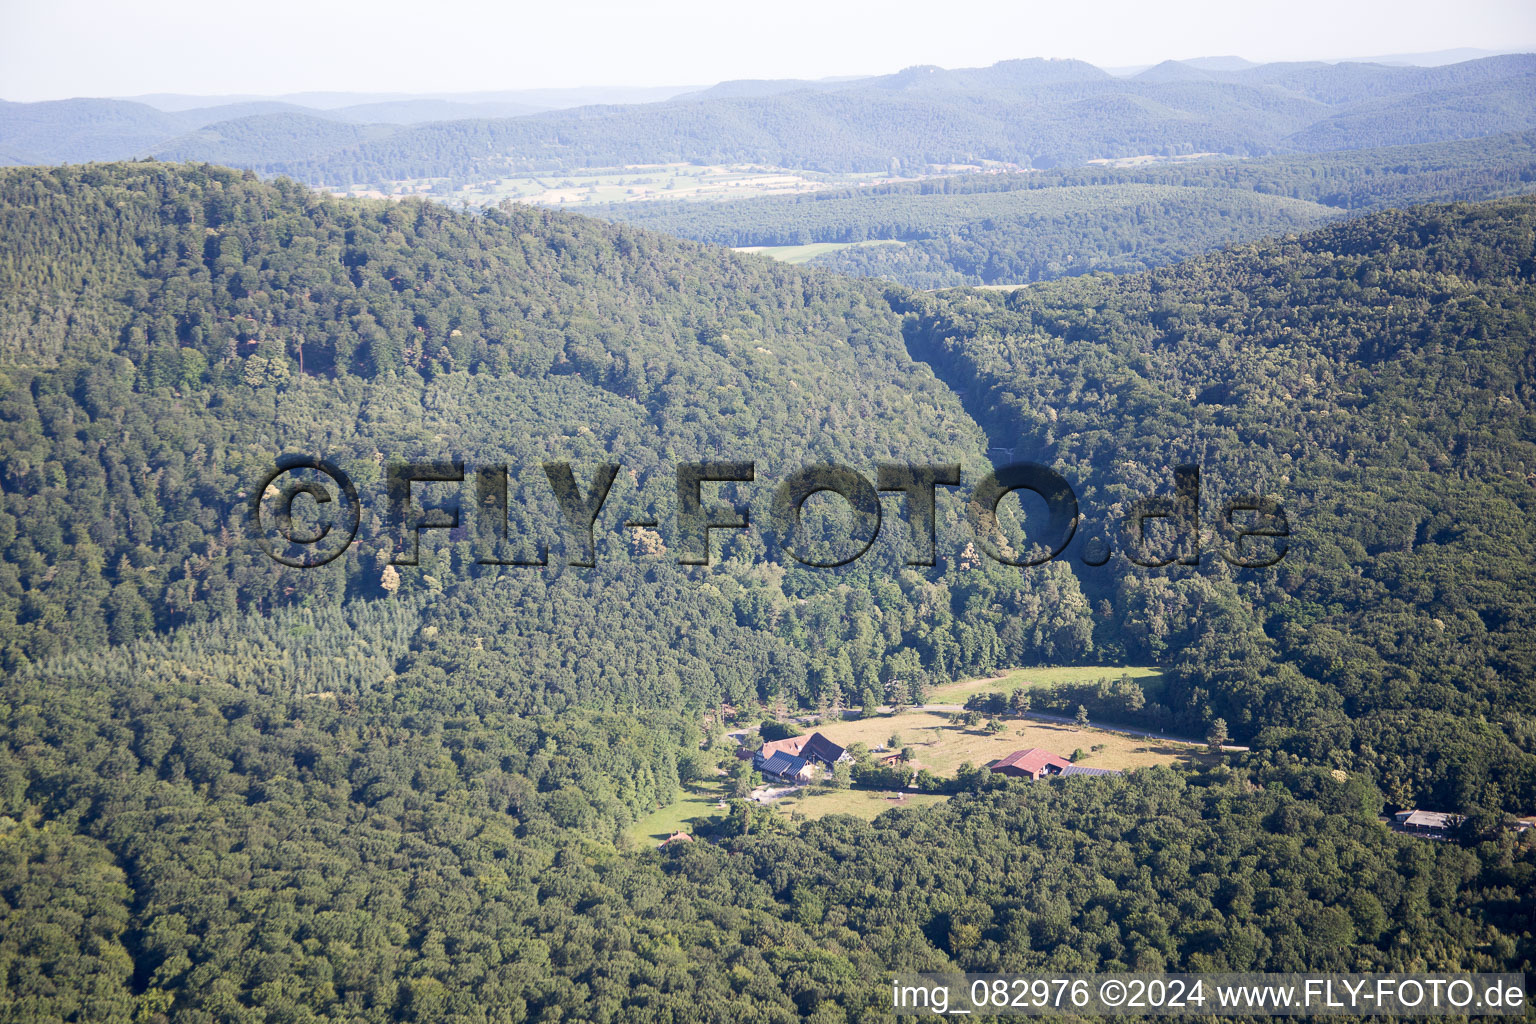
{"x":1019,"y":678}
{"x":942,"y":746}
{"x":806,"y":253}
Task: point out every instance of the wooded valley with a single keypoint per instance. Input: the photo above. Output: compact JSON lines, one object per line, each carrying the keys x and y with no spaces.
{"x":233,"y":790}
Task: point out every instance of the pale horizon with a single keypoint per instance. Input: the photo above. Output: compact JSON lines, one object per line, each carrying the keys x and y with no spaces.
{"x":87,"y":48}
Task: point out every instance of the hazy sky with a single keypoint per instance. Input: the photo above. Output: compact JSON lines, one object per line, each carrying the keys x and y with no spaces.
{"x":56,"y":48}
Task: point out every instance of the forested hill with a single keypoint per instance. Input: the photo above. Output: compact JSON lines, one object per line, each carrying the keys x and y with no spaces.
{"x":170,"y":331}
{"x":1379,"y":374}
{"x":230,"y":791}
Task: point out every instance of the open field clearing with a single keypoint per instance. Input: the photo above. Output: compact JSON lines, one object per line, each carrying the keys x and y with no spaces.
{"x":1019,"y":678}
{"x":699,"y":800}
{"x":942,"y":747}
{"x":640,"y":183}
{"x":1150,"y":158}
{"x":862,"y":803}
{"x":806,"y":253}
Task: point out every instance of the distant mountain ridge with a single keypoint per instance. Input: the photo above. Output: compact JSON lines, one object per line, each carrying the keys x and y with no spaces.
{"x":78,"y":130}
{"x":1029,"y":113}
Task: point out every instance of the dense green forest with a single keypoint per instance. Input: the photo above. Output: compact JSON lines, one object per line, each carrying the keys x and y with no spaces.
{"x":160,"y":366}
{"x":180,"y":851}
{"x":1004,"y":238}
{"x":231,"y":790}
{"x":168,"y":332}
{"x":185,"y":852}
{"x":1018,"y":228}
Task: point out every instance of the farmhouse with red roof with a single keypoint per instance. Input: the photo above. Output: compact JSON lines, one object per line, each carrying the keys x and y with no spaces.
{"x":815,"y":748}
{"x":1034,"y":763}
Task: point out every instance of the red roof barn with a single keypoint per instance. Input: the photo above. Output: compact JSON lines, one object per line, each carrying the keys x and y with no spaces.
{"x":790,"y":746}
{"x":1033,"y":763}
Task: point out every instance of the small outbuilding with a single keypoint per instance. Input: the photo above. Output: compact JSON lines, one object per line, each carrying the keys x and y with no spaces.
{"x":1430,"y":824}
